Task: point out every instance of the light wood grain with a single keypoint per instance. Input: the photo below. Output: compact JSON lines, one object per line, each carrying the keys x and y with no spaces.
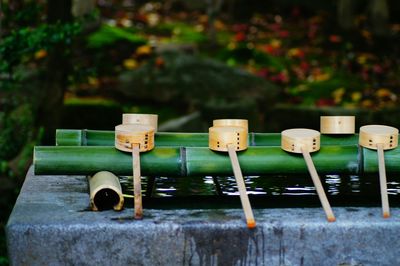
{"x":248,"y":212}
{"x":231,"y":122}
{"x":382,"y":181}
{"x":135,"y":138}
{"x":337,"y":124}
{"x":318,"y":185}
{"x":137,"y":182}
{"x":105,"y":180}
{"x":141,"y":119}
{"x":292,"y":140}
{"x":126,"y":135}
{"x":220,"y":137}
{"x":371,"y":135}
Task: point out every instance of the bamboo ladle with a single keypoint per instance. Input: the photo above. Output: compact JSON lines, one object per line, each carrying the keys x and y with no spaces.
{"x":300,"y":140}
{"x":231,"y":122}
{"x":380,"y":138}
{"x":337,"y":124}
{"x":135,"y":139}
{"x":140,"y":119}
{"x":231,"y":139}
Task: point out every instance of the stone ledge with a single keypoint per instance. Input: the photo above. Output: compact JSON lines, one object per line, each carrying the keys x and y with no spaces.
{"x":50,"y":225}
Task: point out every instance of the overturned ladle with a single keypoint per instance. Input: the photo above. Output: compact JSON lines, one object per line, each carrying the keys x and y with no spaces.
{"x":231,"y":123}
{"x":140,"y":119}
{"x":337,"y":124}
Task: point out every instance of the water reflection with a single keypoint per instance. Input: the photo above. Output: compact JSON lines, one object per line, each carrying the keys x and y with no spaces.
{"x":335,"y":185}
{"x":354,"y":183}
{"x":393,"y":188}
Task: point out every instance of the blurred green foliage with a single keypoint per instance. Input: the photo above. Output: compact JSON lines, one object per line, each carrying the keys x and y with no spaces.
{"x":192,"y":82}
{"x":311,"y":91}
{"x":179,"y":32}
{"x":15,"y":130}
{"x":108,"y":35}
{"x":25,"y":44}
{"x":30,"y":15}
{"x":192,"y":79}
{"x":19,"y":104}
{"x":242,"y":54}
{"x":20,"y":45}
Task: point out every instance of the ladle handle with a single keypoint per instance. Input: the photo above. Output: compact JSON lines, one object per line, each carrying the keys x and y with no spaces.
{"x":137,"y":182}
{"x":248,"y":212}
{"x":318,"y":185}
{"x":382,"y":181}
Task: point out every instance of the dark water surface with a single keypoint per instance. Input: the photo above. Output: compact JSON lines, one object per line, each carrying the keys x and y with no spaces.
{"x":264,"y":191}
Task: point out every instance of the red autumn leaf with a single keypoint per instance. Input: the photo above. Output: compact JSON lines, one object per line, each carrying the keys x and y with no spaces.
{"x":284,"y":34}
{"x":281,"y":77}
{"x":274,"y":27}
{"x":378,"y":69}
{"x":263,"y":73}
{"x":159,"y":62}
{"x":335,"y":38}
{"x":269,"y":49}
{"x":240,"y":36}
{"x":304,"y":66}
{"x":325,"y":102}
{"x":239,"y":27}
{"x":296,"y":12}
{"x":312,"y":31}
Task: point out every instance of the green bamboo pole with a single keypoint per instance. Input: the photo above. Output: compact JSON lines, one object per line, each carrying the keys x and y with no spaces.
{"x":191,"y":161}
{"x":88,"y":160}
{"x":71,"y":137}
{"x":370,"y":160}
{"x":272,"y":160}
{"x":75,"y":137}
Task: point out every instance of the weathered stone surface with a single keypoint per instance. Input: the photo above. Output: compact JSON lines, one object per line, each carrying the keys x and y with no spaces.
{"x":50,"y":225}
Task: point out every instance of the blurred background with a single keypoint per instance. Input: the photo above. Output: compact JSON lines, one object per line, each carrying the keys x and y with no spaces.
{"x":279,"y":63}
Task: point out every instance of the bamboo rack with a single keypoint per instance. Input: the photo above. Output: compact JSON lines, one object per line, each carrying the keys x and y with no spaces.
{"x":84,"y":137}
{"x":200,"y":161}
